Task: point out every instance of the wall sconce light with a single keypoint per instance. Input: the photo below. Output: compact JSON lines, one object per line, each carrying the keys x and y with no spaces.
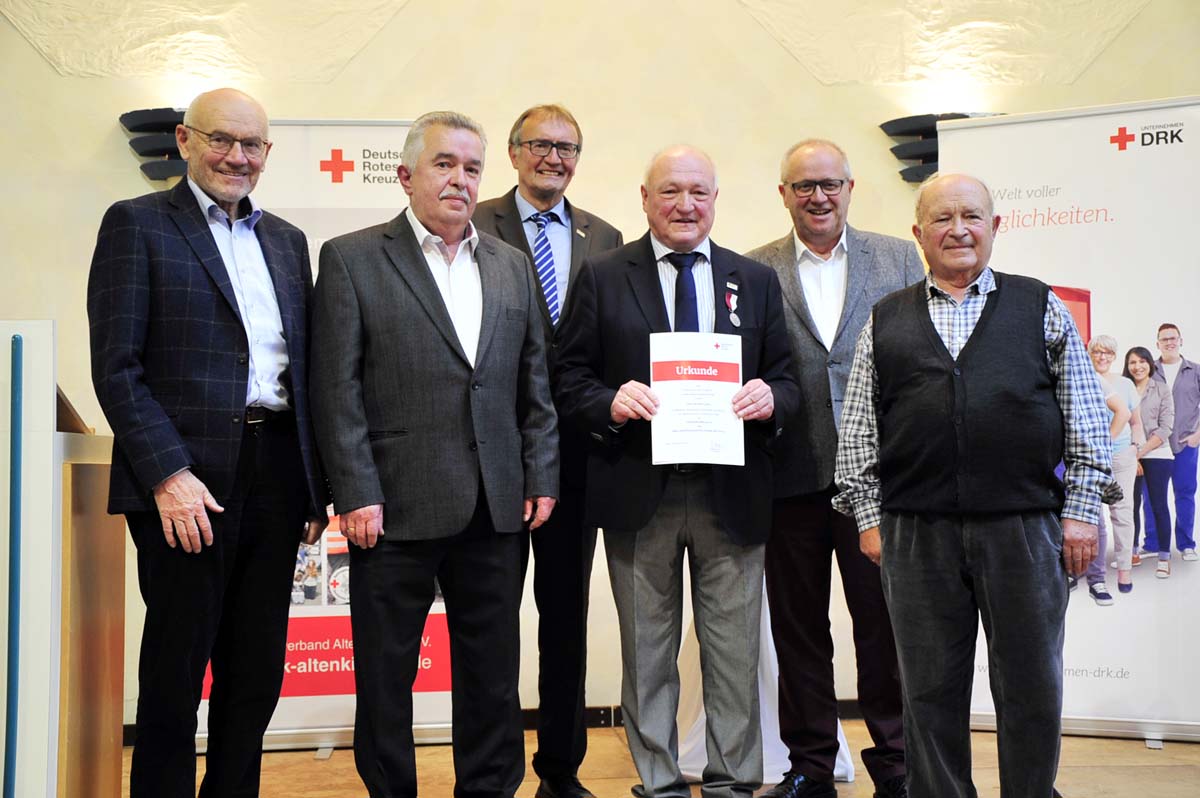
{"x":921,"y":144}
{"x":153,"y":132}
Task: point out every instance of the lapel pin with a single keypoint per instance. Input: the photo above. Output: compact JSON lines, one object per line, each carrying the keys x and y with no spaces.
{"x":731,"y":286}
{"x":580,"y":233}
{"x":734,"y":320}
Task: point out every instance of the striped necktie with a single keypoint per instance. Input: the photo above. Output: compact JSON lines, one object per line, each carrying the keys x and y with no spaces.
{"x":543,"y":262}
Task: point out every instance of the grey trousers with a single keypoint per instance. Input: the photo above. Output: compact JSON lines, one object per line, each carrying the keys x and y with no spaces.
{"x":646,"y":569}
{"x":941,"y":576}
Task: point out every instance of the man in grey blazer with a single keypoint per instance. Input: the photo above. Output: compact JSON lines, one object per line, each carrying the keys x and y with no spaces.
{"x":434,"y":420}
{"x":535,"y":217}
{"x":831,"y":276}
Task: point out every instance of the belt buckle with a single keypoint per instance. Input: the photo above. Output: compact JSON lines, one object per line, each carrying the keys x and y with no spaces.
{"x":256,"y":414}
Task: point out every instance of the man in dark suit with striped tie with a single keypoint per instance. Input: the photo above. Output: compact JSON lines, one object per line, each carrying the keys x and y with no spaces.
{"x":198,"y":305}
{"x":535,"y":217}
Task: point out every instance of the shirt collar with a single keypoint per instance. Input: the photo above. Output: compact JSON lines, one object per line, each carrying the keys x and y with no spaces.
{"x":212,"y":210}
{"x":526,"y":209}
{"x":802,"y":248}
{"x":985,"y":283}
{"x":423,"y":234}
{"x":661,"y":250}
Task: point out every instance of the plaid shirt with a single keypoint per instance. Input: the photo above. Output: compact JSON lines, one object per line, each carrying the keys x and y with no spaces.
{"x":1086,"y":448}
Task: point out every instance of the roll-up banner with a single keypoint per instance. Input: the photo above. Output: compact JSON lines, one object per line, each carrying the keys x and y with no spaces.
{"x":1103,"y":203}
{"x":330,"y":178}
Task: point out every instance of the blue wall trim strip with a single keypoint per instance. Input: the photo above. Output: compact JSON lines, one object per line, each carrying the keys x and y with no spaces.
{"x":14,"y":568}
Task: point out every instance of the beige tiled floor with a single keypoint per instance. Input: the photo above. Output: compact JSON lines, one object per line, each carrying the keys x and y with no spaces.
{"x":1091,"y":768}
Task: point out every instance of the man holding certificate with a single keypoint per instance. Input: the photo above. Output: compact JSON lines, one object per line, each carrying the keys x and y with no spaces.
{"x":675,"y":280}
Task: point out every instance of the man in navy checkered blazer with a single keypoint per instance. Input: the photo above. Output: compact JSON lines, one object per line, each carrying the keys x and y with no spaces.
{"x":198,"y":308}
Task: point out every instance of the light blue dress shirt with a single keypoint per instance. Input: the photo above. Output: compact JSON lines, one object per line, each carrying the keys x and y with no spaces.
{"x":559,"y":234}
{"x":255,"y":293}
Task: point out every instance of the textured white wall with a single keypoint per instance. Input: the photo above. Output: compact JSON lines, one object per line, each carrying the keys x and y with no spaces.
{"x":638,"y":76}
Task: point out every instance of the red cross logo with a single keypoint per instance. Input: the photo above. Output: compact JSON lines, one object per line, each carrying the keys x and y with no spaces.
{"x":337,"y":166}
{"x":1122,"y":138}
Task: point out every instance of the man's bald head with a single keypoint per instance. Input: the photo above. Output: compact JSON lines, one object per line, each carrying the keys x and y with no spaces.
{"x":215,"y":103}
{"x":679,"y":195}
{"x":938,"y":178}
{"x":224,"y":140}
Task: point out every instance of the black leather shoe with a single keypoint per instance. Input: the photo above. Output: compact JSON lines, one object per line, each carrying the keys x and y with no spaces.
{"x":796,"y":785}
{"x":892,"y":788}
{"x":568,"y":787}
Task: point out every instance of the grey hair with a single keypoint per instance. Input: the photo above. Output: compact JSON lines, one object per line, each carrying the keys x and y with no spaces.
{"x":672,"y":148}
{"x":799,"y":145}
{"x":919,"y":200}
{"x":1102,"y":342}
{"x":550,"y":111}
{"x":414,"y":143}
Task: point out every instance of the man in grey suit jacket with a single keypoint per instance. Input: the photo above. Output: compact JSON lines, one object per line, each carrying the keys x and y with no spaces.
{"x":831,"y":275}
{"x":536,"y":218}
{"x":433,"y":415}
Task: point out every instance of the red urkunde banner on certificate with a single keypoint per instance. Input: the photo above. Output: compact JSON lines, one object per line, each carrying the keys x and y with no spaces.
{"x":695,"y":370}
{"x":695,"y":377}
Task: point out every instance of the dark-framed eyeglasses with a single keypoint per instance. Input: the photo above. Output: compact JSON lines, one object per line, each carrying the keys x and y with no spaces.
{"x":830,"y":188}
{"x":222,"y":143}
{"x":541,"y":148}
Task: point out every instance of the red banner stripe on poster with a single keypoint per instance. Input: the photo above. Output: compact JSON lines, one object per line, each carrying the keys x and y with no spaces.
{"x":695,"y":370}
{"x":1079,"y":302}
{"x":320,"y":657}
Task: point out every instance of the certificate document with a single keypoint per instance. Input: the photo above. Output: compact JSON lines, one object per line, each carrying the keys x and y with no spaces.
{"x":695,"y":376}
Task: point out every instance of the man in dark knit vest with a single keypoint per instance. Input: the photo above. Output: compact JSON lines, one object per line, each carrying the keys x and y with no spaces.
{"x":966,"y":391}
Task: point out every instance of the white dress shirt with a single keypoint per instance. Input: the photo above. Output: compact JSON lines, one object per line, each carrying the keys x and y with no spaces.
{"x":457,"y":279}
{"x":256,"y":301}
{"x":706,"y":311}
{"x":824,"y":284}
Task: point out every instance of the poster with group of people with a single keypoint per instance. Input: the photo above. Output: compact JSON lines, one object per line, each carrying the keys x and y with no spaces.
{"x":1097,"y":201}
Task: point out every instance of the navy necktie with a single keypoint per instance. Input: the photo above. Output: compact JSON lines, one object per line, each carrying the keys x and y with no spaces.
{"x":543,"y":262}
{"x":687,"y":318}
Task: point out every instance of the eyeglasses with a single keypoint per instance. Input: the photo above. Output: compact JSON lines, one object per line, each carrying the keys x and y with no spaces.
{"x":541,"y":148}
{"x":222,"y":143}
{"x":830,"y":188}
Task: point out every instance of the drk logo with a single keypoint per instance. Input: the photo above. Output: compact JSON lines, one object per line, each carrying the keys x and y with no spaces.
{"x":1160,"y":135}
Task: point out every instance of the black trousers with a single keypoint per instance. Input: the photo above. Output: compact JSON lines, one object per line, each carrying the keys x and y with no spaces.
{"x":563,"y":549}
{"x":806,"y":532}
{"x":228,"y":604}
{"x":392,"y":588}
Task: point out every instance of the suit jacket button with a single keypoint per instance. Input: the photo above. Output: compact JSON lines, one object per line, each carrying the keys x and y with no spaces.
{"x":243,"y":360}
{"x":829,"y":403}
{"x":475,"y":386}
{"x":237,"y":419}
{"x":473,"y":446}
